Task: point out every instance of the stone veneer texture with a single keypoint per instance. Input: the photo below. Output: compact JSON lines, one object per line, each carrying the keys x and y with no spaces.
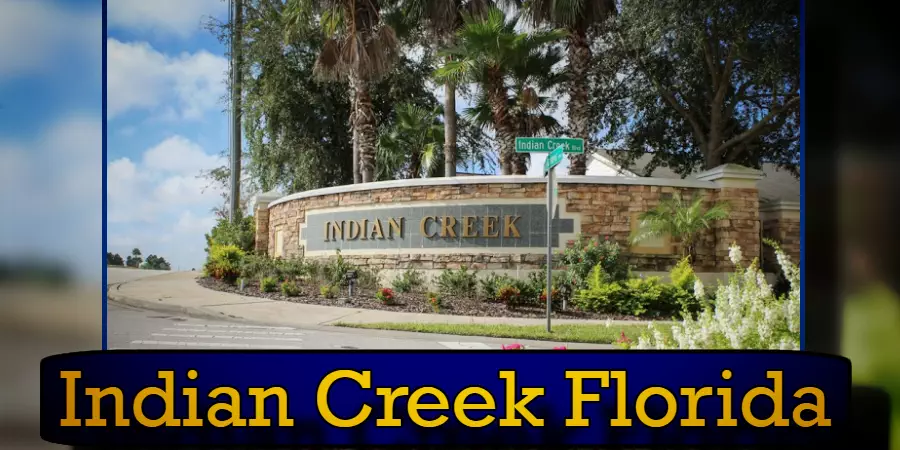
{"x":605,"y":210}
{"x":785,"y":231}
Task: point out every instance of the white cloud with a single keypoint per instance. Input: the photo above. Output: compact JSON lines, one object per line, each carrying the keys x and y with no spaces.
{"x":141,"y":78}
{"x":57,"y":191}
{"x":162,"y":185}
{"x":163,"y":17}
{"x":178,"y":154}
{"x":189,"y":223}
{"x":185,"y":190}
{"x":33,"y":35}
{"x":158,"y":203}
{"x":14,"y":165}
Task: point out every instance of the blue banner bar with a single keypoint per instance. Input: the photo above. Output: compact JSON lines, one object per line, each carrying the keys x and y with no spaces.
{"x":378,"y":398}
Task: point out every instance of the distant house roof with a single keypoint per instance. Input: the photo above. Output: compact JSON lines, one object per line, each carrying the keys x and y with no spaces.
{"x":778,"y":184}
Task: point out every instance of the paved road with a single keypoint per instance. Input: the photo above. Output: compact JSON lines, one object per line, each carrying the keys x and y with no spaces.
{"x":121,"y":274}
{"x":131,"y":328}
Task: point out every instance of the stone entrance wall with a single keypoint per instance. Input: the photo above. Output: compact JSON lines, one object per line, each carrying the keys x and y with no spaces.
{"x":315,"y":223}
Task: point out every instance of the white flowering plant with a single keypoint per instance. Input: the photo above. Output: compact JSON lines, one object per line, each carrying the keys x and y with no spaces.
{"x":745,"y":313}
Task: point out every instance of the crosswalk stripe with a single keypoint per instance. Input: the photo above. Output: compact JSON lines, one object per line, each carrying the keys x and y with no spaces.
{"x":214,"y":344}
{"x":262,"y":338}
{"x":267,"y":333}
{"x":465,"y":345}
{"x":258,"y":327}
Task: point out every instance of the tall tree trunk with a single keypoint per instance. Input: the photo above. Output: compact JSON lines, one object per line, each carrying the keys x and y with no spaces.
{"x":508,"y":159}
{"x":579,"y":111}
{"x":449,"y":129}
{"x":236,"y":97}
{"x":366,"y":134}
{"x":712,"y":157}
{"x":357,"y":178}
{"x":519,"y":160}
{"x":506,"y":134}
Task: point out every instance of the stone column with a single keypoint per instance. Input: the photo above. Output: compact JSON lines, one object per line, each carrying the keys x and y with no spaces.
{"x":737,"y":186}
{"x":261,"y":215}
{"x":781,"y":223}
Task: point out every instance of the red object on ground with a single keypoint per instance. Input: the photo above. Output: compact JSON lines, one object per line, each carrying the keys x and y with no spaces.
{"x":513,"y":347}
{"x":563,"y":347}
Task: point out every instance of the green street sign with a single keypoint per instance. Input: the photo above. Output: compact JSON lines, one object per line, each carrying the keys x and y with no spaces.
{"x":554,"y":158}
{"x":546,"y":145}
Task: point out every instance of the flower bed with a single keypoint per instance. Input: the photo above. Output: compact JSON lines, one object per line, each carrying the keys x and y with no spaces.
{"x":402,"y":302}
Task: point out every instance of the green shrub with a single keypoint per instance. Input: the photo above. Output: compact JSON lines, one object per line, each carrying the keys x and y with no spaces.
{"x":241,"y":233}
{"x":683,"y":301}
{"x":329,"y":291}
{"x":291,"y":269}
{"x":601,"y":298}
{"x":510,"y":295}
{"x":459,"y":283}
{"x":644,"y":296}
{"x":254,"y":267}
{"x":489,"y":286}
{"x":335,"y":270}
{"x":367,"y":278}
{"x":268,"y":284}
{"x":224,"y":262}
{"x":634,"y":297}
{"x":315,"y":271}
{"x":408,"y":281}
{"x":290,"y":289}
{"x":682,"y":275}
{"x":585,"y":254}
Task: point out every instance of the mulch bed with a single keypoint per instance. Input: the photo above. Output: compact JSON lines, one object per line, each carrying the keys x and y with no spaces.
{"x":403,"y":302}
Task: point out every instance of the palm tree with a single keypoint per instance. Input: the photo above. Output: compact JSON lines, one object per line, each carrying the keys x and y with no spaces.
{"x":577,"y":17}
{"x":410,"y":149}
{"x":528,"y":109}
{"x":679,"y":219}
{"x":442,"y":18}
{"x":487,"y":50}
{"x":359,"y":48}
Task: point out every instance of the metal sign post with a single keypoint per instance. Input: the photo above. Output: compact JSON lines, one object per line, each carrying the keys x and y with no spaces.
{"x":553,"y":160}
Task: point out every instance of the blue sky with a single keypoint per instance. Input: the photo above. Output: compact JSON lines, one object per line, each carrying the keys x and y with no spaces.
{"x":165,"y":124}
{"x":51,"y":132}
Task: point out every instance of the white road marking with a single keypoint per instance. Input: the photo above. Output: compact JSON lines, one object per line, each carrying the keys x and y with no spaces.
{"x":266,"y":333}
{"x":465,"y":345}
{"x":257,"y":327}
{"x":214,"y":344}
{"x":265,"y":338}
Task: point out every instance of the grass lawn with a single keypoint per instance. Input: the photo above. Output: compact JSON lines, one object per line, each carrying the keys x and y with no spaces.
{"x":589,"y":334}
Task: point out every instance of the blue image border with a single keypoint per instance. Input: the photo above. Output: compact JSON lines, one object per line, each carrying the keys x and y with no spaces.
{"x":802,"y":266}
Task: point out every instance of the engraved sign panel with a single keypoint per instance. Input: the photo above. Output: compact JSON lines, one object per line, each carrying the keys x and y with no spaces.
{"x":433,"y":227}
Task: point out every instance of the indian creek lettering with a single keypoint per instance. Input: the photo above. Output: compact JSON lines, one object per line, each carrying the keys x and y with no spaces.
{"x":509,"y":406}
{"x":429,"y":226}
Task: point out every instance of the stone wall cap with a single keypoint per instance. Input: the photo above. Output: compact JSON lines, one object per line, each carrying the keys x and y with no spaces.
{"x":779,"y":205}
{"x":730,"y":171}
{"x":265,"y":198}
{"x":496,"y":179}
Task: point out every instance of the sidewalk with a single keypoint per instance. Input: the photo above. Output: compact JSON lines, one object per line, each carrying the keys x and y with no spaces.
{"x":179,"y":293}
